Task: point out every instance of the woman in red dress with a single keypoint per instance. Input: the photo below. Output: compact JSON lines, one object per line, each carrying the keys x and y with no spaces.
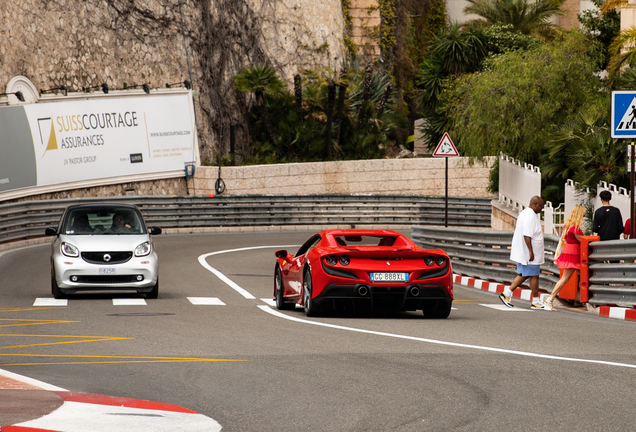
{"x":570,"y":259}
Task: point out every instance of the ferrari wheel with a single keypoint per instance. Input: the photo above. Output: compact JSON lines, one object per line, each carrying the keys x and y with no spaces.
{"x":439,"y":309}
{"x":311,"y":309}
{"x":281,"y":304}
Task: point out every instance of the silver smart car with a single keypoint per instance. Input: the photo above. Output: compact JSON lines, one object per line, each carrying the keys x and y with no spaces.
{"x":103,"y":247}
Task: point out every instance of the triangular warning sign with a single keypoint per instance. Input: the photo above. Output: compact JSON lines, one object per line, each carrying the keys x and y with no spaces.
{"x":628,"y":121}
{"x":445,"y":148}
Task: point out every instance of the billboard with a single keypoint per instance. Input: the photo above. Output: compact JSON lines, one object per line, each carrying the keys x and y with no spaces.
{"x":73,"y":141}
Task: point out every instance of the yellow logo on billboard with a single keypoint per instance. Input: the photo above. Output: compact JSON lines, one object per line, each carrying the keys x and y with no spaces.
{"x":52,"y":145}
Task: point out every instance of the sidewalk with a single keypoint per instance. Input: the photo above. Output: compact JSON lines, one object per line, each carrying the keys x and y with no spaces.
{"x":525,"y":294}
{"x":28,"y":405}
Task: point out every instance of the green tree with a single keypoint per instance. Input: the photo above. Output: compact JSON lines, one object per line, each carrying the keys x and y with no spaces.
{"x":261,"y":80}
{"x":525,"y":16}
{"x":603,"y":27}
{"x":521,"y":97}
{"x":583,"y":150}
{"x":453,"y":51}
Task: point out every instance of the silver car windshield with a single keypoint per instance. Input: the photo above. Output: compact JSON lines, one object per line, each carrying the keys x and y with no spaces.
{"x":103,"y":221}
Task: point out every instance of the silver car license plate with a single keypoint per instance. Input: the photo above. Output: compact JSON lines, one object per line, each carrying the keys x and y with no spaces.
{"x":389,"y":277}
{"x":107,"y":270}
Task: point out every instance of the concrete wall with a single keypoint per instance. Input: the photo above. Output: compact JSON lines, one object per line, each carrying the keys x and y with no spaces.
{"x":421,"y":176}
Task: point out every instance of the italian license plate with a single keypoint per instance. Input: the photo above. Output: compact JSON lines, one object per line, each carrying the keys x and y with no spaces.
{"x":108,"y":270}
{"x":389,"y":277}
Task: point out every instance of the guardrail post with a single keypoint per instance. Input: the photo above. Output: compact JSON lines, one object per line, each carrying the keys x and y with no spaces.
{"x":585,"y":267}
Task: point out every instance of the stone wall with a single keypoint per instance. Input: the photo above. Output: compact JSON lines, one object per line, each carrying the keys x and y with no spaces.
{"x":78,"y":44}
{"x":420,"y":176}
{"x":365,"y":17}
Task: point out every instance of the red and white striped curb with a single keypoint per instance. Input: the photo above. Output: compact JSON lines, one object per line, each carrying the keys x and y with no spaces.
{"x":86,"y":412}
{"x":493,"y":287}
{"x":526,"y":294}
{"x":617,"y":312}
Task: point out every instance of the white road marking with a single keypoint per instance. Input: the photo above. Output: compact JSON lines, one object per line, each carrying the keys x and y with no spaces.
{"x":269,"y":301}
{"x":78,"y":416}
{"x":227,"y":280}
{"x":129,"y":302}
{"x":505,"y":308}
{"x":50,"y":302}
{"x":30,"y":381}
{"x":206,"y":301}
{"x":439,"y":342}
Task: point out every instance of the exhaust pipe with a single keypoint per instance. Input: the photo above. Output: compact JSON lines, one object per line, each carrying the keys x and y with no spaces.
{"x":363,"y":290}
{"x":415,"y":291}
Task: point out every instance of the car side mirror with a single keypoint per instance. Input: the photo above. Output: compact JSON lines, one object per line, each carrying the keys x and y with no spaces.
{"x":281,"y":253}
{"x":155,"y":230}
{"x":50,"y":231}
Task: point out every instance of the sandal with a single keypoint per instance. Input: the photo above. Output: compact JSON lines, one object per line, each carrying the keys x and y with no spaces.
{"x":548,"y":304}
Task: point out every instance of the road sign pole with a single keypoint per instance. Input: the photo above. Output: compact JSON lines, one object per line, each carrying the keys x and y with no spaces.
{"x":446,"y":196}
{"x":631,"y":194}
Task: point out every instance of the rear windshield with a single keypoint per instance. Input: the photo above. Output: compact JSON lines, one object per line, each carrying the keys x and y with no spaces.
{"x":364,"y":240}
{"x":82,"y":221}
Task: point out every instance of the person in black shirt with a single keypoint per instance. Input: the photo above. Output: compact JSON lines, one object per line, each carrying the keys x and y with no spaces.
{"x":608,"y":222}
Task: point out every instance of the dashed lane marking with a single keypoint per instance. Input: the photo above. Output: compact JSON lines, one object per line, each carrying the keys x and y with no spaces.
{"x":505,"y":308}
{"x":206,"y":301}
{"x":50,"y":302}
{"x":130,"y":302}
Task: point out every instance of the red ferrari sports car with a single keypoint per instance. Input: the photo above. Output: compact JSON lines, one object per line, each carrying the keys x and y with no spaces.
{"x":364,"y":270}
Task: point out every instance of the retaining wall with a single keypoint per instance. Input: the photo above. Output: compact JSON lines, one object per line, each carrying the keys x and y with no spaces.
{"x":419,"y":176}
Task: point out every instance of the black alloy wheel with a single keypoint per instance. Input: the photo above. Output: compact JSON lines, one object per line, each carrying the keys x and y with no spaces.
{"x":281,"y":303}
{"x":154,"y":293}
{"x":55,"y":290}
{"x":438,"y":310}
{"x":311,"y":310}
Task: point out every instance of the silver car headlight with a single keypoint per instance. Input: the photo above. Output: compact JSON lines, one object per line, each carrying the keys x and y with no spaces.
{"x":143,"y":249}
{"x":69,"y":250}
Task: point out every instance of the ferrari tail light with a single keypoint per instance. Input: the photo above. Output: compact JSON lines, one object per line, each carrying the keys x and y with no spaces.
{"x":332,"y":260}
{"x":440,"y":261}
{"x":429,"y":260}
{"x":344,"y":260}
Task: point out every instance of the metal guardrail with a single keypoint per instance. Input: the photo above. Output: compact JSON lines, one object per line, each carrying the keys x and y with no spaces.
{"x":484,"y":254}
{"x":27,"y":219}
{"x":612,"y":273}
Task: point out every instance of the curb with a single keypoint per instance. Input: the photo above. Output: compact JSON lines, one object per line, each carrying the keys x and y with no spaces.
{"x":64,"y":410}
{"x":615,"y":312}
{"x":493,"y":287}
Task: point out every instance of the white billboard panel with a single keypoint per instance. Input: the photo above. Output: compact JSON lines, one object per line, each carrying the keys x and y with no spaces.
{"x":102,"y":138}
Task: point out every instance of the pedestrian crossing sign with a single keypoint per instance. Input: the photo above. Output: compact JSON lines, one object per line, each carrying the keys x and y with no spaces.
{"x":624,"y":114}
{"x":445,"y":148}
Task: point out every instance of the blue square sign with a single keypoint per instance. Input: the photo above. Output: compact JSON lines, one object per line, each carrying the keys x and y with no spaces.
{"x":624,"y":114}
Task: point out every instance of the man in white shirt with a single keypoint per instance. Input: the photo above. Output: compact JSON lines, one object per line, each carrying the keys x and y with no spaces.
{"x":527,"y":251}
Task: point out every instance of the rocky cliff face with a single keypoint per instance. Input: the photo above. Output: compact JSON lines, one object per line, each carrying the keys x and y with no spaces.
{"x":82,"y":44}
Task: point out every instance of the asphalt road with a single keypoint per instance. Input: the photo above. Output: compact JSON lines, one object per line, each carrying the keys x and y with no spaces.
{"x":252,"y":368}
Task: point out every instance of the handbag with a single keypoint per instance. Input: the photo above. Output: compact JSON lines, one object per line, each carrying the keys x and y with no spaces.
{"x":560,"y":246}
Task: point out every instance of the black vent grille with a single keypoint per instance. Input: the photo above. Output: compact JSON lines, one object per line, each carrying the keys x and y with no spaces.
{"x":98,"y":257}
{"x":107,"y":279}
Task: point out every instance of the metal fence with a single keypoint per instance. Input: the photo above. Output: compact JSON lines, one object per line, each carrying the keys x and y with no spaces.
{"x":484,"y":254}
{"x":27,"y":219}
{"x":612,"y":279}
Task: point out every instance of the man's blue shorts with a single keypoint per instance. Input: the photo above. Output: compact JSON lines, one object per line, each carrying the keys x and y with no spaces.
{"x":528,"y":270}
